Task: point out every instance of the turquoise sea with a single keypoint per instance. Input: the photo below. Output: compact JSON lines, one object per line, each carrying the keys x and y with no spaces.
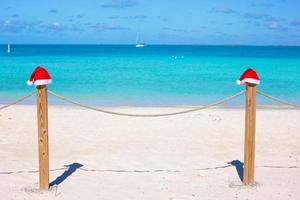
{"x":157,"y":75}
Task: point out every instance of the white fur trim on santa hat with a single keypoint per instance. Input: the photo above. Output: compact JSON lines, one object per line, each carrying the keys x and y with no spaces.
{"x":29,"y":82}
{"x":248,"y":80}
{"x":42,"y":82}
{"x":251,"y":80}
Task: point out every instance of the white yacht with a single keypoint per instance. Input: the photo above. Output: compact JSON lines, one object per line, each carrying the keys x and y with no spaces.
{"x":138,"y":43}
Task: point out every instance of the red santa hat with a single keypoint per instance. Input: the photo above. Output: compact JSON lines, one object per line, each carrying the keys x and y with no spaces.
{"x":249,"y":76}
{"x":39,"y":76}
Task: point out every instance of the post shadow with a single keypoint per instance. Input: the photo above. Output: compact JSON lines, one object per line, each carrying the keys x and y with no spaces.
{"x":239,"y":168}
{"x":71,"y":169}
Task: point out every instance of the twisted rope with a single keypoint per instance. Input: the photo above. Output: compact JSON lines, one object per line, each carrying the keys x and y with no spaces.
{"x":277,"y":100}
{"x":17,"y":101}
{"x":147,"y":115}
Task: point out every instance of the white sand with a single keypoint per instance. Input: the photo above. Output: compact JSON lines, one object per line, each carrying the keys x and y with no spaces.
{"x":177,"y":157}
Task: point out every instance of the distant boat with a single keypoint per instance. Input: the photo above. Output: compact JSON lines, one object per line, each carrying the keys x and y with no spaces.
{"x":8,"y":48}
{"x":138,"y":43}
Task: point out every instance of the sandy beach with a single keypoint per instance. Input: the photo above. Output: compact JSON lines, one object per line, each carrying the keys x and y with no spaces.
{"x":150,"y":100}
{"x":100,"y":156}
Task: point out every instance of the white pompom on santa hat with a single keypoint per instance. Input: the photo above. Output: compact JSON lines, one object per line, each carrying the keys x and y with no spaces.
{"x":39,"y":76}
{"x":249,"y":76}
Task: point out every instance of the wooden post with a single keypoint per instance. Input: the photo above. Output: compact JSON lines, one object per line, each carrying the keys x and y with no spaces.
{"x":42,"y":119}
{"x":249,"y":153}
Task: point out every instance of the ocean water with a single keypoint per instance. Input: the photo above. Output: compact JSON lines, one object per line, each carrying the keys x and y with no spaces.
{"x":122,"y":75}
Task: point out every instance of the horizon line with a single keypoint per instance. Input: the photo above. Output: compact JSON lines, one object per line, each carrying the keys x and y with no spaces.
{"x":155,"y":44}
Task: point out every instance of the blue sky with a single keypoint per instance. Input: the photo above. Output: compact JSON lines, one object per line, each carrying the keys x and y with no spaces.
{"x":261,"y":22}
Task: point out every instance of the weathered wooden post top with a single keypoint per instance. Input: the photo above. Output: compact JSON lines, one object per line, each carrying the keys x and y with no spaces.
{"x":41,"y":78}
{"x":250,"y":79}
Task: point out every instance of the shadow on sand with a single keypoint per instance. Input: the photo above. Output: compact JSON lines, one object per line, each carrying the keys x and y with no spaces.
{"x":71,"y":169}
{"x":239,"y":166}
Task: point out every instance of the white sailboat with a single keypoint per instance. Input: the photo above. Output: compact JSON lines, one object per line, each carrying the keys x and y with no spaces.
{"x":138,"y":43}
{"x":8,"y":48}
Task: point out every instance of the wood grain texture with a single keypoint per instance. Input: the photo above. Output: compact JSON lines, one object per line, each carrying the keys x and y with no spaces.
{"x":42,"y":119}
{"x":249,"y":153}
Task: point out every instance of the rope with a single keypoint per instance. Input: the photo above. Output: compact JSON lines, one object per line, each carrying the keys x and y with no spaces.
{"x":17,"y":101}
{"x":147,"y":115}
{"x":277,"y":100}
{"x":153,"y":115}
